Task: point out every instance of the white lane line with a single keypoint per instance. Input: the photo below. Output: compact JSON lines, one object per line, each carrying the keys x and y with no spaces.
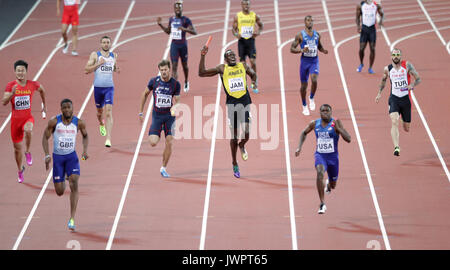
{"x":419,"y":111}
{"x":20,"y":24}
{"x":214,"y":134}
{"x":431,"y":22}
{"x":355,"y":127}
{"x":285,"y":131}
{"x":382,"y":27}
{"x":47,"y":181}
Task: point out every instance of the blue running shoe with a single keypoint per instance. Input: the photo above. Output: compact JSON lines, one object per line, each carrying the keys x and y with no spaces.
{"x":164,"y":173}
{"x":360,"y":68}
{"x":236,"y":172}
{"x":371,"y":71}
{"x":71,"y":224}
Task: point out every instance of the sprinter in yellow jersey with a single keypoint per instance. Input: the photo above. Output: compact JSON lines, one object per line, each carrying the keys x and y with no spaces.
{"x":244,"y":29}
{"x":238,"y":101}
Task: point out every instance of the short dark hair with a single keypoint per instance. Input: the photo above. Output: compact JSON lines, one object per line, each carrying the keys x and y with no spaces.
{"x":66,"y":100}
{"x":308,"y":16}
{"x":326,"y":105}
{"x":164,"y":62}
{"x":20,"y":63}
{"x":225,"y":53}
{"x":104,"y":38}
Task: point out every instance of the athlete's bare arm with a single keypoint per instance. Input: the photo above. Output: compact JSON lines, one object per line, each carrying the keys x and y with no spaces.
{"x":358,"y":17}
{"x":83,"y":131}
{"x":92,"y":63}
{"x":202,"y":71}
{"x":342,"y":131}
{"x":143,"y":101}
{"x":235,"y":29}
{"x":380,"y":11}
{"x":58,"y":7}
{"x":412,"y":71}
{"x":382,"y":84}
{"x":260,"y":27}
{"x":42,"y":94}
{"x":303,"y":135}
{"x":116,"y":67}
{"x":165,"y":29}
{"x":320,"y":47}
{"x":7,"y":96}
{"x":48,"y":131}
{"x":297,"y":41}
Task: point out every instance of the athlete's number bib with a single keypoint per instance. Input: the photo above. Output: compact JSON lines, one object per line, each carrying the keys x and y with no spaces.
{"x":175,"y":33}
{"x":22,"y":102}
{"x":236,"y":84}
{"x":163,"y":101}
{"x":402,"y":85}
{"x":312,"y":50}
{"x":325,"y":145}
{"x":66,"y":143}
{"x":246,"y":31}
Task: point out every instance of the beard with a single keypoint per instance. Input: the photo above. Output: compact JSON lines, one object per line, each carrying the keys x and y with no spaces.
{"x":396,"y":61}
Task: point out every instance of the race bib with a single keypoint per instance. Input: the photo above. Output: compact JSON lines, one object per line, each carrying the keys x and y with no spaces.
{"x":236,"y":84}
{"x":246,"y":31}
{"x":312,"y":50}
{"x":22,"y":102}
{"x":163,"y":101}
{"x":66,"y":143}
{"x":325,"y":145}
{"x":175,"y":33}
{"x":402,"y":85}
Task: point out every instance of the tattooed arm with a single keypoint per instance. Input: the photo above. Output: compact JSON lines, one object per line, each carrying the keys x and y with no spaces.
{"x":412,"y":71}
{"x":382,"y":84}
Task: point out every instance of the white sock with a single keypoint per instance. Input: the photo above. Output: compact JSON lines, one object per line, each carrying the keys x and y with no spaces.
{"x":162,"y":169}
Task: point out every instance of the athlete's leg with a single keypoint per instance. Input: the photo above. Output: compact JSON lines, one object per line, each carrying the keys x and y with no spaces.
{"x":406,"y":126}
{"x":174,"y":69}
{"x":253,"y":63}
{"x":153,"y":139}
{"x":362,"y":47}
{"x":186,"y":71}
{"x":18,"y":155}
{"x":100,"y":115}
{"x":303,"y":87}
{"x":234,"y":145}
{"x":313,"y":84}
{"x":74,"y":37}
{"x":64,"y":32}
{"x":108,"y":120}
{"x":372,"y":54}
{"x":167,"y":150}
{"x":320,"y":182}
{"x":245,"y":135}
{"x":60,"y":187}
{"x":394,"y":129}
{"x":73,"y":182}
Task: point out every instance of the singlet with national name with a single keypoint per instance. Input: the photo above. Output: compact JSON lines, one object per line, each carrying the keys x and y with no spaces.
{"x":327,"y":138}
{"x":368,"y":13}
{"x":71,"y":2}
{"x":163,"y":93}
{"x":399,"y":80}
{"x":235,"y":84}
{"x":22,"y":99}
{"x":64,"y":136}
{"x":311,"y":41}
{"x":246,"y":24}
{"x":104,"y":74}
{"x":176,"y":34}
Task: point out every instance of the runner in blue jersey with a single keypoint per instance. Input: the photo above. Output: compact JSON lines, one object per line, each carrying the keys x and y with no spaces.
{"x":166,"y":95}
{"x":178,"y":26}
{"x":104,"y":64}
{"x":64,"y":128}
{"x":309,"y":41}
{"x":327,"y":131}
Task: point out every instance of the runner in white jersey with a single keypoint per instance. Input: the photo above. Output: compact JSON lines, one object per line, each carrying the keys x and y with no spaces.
{"x":64,"y":128}
{"x":367,"y":10}
{"x":104,"y":63}
{"x":399,"y":73}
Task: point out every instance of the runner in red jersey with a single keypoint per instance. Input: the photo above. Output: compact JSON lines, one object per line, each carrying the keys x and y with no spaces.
{"x":70,"y":16}
{"x":20,"y":94}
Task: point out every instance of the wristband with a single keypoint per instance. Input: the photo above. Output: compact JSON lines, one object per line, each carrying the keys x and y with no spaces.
{"x":47,"y":156}
{"x":141,"y":114}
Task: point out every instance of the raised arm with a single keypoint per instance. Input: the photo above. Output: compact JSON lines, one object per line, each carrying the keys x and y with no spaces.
{"x":297,"y":41}
{"x":48,"y":131}
{"x":342,"y":131}
{"x":202,"y":71}
{"x":412,"y":71}
{"x":382,"y":84}
{"x":303,"y":135}
{"x":92,"y":63}
{"x":165,"y":29}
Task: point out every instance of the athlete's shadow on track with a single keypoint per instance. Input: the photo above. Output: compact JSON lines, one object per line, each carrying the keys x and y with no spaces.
{"x":366,"y":230}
